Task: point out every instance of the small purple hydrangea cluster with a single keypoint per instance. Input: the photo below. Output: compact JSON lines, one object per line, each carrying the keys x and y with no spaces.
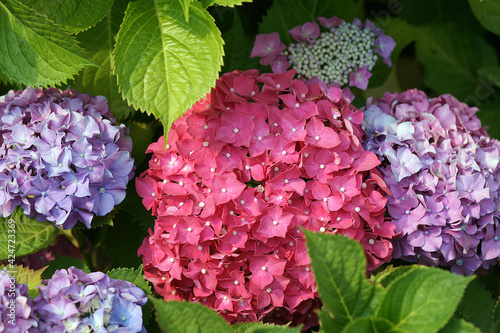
{"x":16,"y":309}
{"x":62,"y":158}
{"x":74,"y":301}
{"x":444,"y":173}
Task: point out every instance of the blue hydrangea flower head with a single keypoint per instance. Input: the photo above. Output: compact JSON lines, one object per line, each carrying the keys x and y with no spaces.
{"x":74,"y":301}
{"x":56,"y":148}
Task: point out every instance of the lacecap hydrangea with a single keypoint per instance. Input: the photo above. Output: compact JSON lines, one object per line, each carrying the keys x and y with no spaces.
{"x":62,"y":158}
{"x":74,"y":301}
{"x":242,"y":172}
{"x":342,"y":55}
{"x":444,"y":174}
{"x":16,"y":309}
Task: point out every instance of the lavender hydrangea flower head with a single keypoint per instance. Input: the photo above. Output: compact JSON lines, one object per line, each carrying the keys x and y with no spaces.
{"x":62,"y":158}
{"x":74,"y":301}
{"x":16,"y":309}
{"x":342,"y":55}
{"x":444,"y":173}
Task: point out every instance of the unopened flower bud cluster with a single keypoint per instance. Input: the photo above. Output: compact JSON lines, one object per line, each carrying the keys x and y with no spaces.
{"x":334,"y":55}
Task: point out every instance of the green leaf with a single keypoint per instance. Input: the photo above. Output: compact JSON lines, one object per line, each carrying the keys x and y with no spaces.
{"x":451,"y":60}
{"x":27,"y":276}
{"x":339,"y":266}
{"x":415,"y":302}
{"x":286,"y":14}
{"x":403,"y":34}
{"x":226,"y":3}
{"x":164,"y":64}
{"x":75,"y":15}
{"x":185,"y":8}
{"x":185,"y":317}
{"x":142,"y":135}
{"x":459,"y":326}
{"x":488,"y":13}
{"x":238,"y":47}
{"x":491,"y":74}
{"x":39,"y":53}
{"x":370,"y":325}
{"x":259,"y":327}
{"x":425,"y":12}
{"x":489,"y":113}
{"x":387,"y":276}
{"x":63,"y":262}
{"x":477,"y":306}
{"x":99,"y":43}
{"x":135,"y":276}
{"x":30,"y":236}
{"x":496,"y":318}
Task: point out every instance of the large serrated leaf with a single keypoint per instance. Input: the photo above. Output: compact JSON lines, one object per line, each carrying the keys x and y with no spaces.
{"x":99,"y":43}
{"x":286,"y":14}
{"x":164,"y":64}
{"x":489,"y":113}
{"x":238,"y":47}
{"x":30,"y":236}
{"x":35,"y":51}
{"x":32,"y":278}
{"x":459,"y":326}
{"x":477,"y":306}
{"x":227,"y":3}
{"x":184,"y":317}
{"x":488,"y":13}
{"x":259,"y":327}
{"x":339,"y":266}
{"x":75,"y":15}
{"x":423,"y":300}
{"x":388,"y":275}
{"x":135,"y":276}
{"x":451,"y":60}
{"x":63,"y":262}
{"x":370,"y":325}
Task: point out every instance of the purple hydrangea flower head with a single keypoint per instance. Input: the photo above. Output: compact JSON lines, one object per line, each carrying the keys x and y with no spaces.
{"x":324,"y":55}
{"x":16,"y":309}
{"x":74,"y":301}
{"x":56,"y":148}
{"x":444,"y":174}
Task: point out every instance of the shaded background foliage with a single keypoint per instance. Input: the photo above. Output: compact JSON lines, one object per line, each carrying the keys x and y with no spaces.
{"x":443,"y":46}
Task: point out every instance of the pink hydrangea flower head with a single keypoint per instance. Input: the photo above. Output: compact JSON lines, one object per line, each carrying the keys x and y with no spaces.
{"x":251,"y":165}
{"x":267,"y":47}
{"x":442,"y":169}
{"x":323,"y":56}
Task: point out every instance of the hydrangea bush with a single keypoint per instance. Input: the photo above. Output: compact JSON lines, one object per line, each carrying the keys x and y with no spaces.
{"x":243,"y":171}
{"x":17,"y":314}
{"x":443,"y":171}
{"x":74,"y":301}
{"x":344,"y":54}
{"x":62,"y":158}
